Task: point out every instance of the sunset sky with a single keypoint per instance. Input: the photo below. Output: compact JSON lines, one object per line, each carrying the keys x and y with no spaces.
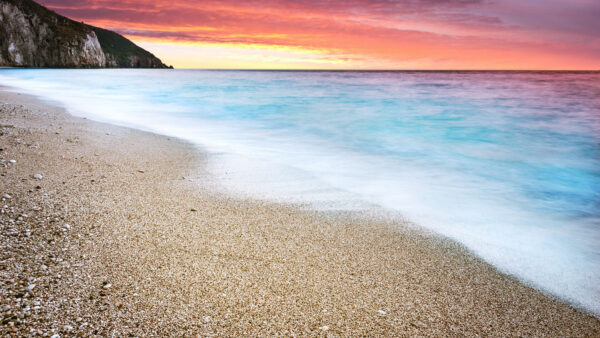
{"x":354,"y":34}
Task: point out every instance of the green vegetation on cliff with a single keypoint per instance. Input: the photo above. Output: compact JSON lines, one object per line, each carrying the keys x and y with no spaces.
{"x":34,"y":36}
{"x":121,"y":52}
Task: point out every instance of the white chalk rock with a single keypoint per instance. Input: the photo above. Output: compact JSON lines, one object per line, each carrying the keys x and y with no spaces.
{"x":381,"y":312}
{"x":38,"y":176}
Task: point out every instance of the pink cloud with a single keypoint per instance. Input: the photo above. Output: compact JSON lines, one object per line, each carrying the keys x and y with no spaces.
{"x":458,"y":30}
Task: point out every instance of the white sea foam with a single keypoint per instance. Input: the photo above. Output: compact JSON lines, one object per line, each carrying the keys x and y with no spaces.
{"x":500,"y":163}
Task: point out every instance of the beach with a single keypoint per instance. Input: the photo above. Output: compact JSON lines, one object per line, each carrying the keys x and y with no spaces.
{"x":113,"y":231}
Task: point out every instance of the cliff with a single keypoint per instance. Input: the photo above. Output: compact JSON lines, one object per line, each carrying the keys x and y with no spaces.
{"x":121,"y":52}
{"x":33,"y":36}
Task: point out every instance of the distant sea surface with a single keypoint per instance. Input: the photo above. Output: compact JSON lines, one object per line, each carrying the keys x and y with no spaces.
{"x":507,"y":163}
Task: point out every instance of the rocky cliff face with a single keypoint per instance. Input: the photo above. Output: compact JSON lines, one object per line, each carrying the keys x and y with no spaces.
{"x":121,"y":52}
{"x":33,"y":36}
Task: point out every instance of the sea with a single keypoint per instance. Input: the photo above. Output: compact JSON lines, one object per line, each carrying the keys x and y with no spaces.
{"x":506,"y":163}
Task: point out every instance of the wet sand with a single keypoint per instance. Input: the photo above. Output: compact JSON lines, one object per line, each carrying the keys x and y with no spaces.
{"x":122,"y":235}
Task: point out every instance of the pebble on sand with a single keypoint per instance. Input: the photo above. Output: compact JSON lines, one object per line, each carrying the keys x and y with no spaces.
{"x":324,"y":328}
{"x":381,"y":312}
{"x":38,"y":176}
{"x":12,"y":161}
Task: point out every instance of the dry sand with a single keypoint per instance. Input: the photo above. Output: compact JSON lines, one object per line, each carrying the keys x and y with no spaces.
{"x":122,"y":237}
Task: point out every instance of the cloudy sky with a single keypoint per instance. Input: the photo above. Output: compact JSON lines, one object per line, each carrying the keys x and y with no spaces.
{"x":354,"y":34}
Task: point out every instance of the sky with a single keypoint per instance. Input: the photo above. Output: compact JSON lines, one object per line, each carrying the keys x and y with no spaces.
{"x":354,"y":34}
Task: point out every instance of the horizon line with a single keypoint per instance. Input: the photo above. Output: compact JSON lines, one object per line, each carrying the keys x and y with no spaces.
{"x":340,"y":70}
{"x":396,"y":70}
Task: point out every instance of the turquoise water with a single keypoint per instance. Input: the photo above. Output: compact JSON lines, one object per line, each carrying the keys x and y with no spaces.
{"x":506,"y":163}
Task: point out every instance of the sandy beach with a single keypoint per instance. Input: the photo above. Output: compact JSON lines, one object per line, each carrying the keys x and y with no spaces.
{"x":112,"y":231}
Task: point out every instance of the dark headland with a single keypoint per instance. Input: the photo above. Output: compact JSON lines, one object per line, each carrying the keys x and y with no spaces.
{"x":34,"y":36}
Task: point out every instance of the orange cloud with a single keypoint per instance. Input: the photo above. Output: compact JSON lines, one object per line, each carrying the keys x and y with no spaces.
{"x":378,"y":34}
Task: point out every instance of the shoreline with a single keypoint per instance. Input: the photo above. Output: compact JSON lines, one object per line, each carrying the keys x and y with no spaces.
{"x":148,"y":252}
